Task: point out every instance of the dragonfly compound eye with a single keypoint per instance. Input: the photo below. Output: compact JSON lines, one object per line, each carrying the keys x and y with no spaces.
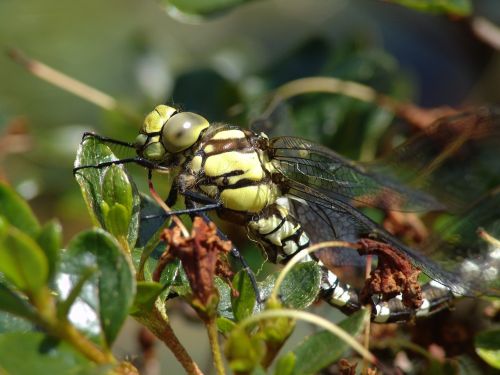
{"x":182,"y":131}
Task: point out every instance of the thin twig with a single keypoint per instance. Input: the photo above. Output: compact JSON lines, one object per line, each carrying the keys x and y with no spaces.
{"x":314,"y":319}
{"x":161,"y":328}
{"x":167,"y":209}
{"x":211,"y":326}
{"x":419,"y":117}
{"x":69,"y":84}
{"x":63,"y":81}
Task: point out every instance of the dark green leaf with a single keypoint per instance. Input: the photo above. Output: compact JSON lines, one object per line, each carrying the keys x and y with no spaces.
{"x":456,"y":7}
{"x":110,"y":291}
{"x":13,"y":303}
{"x":244,"y":303}
{"x":320,"y":349}
{"x":49,"y":239}
{"x":301,"y":286}
{"x":22,"y":261}
{"x":100,"y":189}
{"x":17,"y":212}
{"x":487,"y":345}
{"x":145,"y":297}
{"x":33,"y":353}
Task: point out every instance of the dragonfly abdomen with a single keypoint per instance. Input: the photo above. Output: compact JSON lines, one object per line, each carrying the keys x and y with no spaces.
{"x":281,"y":236}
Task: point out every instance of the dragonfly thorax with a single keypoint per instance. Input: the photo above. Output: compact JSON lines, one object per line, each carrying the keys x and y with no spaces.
{"x":229,"y":165}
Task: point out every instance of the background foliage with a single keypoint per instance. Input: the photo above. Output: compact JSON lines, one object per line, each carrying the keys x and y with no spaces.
{"x":218,"y":58}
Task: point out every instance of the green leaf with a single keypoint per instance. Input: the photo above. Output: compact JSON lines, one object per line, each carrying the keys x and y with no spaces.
{"x":201,"y":7}
{"x":322,"y":348}
{"x":243,"y":304}
{"x":22,"y":261}
{"x":12,"y":323}
{"x":13,"y":303}
{"x":110,"y":291}
{"x":224,"y":309}
{"x":49,"y":238}
{"x":117,"y":202}
{"x":102,"y":188}
{"x":286,"y":364}
{"x":145,"y":297}
{"x":17,"y":212}
{"x":30,"y":353}
{"x":456,"y":7}
{"x":224,"y":325}
{"x":242,"y":351}
{"x":301,"y":286}
{"x":487,"y":346}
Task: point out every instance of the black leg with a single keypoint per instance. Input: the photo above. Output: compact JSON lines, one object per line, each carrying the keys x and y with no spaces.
{"x":138,"y":160}
{"x":172,"y":196}
{"x":190,"y":211}
{"x":106,"y":139}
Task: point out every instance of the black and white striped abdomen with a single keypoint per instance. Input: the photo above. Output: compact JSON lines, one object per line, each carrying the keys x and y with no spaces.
{"x":278,"y":232}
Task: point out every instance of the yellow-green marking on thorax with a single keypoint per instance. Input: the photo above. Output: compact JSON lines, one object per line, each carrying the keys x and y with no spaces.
{"x":236,"y":172}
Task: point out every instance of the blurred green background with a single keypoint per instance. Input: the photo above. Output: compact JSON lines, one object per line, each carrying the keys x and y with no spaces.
{"x":145,"y":52}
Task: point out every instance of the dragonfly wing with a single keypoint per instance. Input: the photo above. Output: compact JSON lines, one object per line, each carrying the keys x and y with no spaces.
{"x":344,"y":180}
{"x":455,"y":158}
{"x":352,"y":224}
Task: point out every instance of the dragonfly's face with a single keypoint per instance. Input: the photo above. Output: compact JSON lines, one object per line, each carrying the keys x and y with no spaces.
{"x":165,"y":131}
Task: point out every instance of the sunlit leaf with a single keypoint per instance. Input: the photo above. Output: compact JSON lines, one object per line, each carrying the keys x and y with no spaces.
{"x":22,"y":260}
{"x":301,"y":286}
{"x":456,"y":7}
{"x":102,"y":188}
{"x":17,"y":212}
{"x":487,"y":345}
{"x":110,"y":291}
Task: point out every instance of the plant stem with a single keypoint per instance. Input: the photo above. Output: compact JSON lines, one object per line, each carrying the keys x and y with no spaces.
{"x":68,"y":333}
{"x":214,"y":346}
{"x":159,"y":325}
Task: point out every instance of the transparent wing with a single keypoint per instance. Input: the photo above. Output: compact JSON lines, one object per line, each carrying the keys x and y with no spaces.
{"x":344,"y":180}
{"x":456,"y":158}
{"x":347,"y":223}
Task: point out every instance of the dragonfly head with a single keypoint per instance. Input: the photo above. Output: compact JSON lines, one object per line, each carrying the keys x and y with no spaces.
{"x":166,"y":131}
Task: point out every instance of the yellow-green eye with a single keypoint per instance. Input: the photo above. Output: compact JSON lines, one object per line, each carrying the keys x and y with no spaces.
{"x":182,"y":131}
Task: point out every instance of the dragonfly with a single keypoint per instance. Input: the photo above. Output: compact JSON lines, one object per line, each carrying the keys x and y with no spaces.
{"x":290,"y":193}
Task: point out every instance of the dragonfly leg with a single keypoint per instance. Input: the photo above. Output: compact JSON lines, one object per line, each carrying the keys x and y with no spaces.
{"x":191,"y":198}
{"x":106,"y":139}
{"x":138,"y":160}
